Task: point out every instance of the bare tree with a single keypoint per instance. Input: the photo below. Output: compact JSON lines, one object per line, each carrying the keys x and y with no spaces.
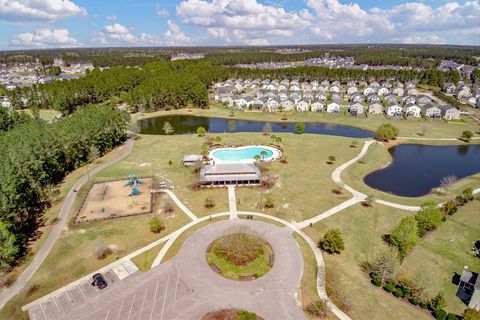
{"x":447,"y":181}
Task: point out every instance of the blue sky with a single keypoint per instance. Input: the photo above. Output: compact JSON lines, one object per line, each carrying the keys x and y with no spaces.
{"x":77,"y":23}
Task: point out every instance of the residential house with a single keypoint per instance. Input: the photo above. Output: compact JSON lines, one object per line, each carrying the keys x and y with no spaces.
{"x":271,"y":87}
{"x":259,"y":103}
{"x":352,"y":90}
{"x":285,"y":82}
{"x":449,"y":88}
{"x":283,"y":95}
{"x":398,"y":91}
{"x":383,"y":91}
{"x":468,"y":289}
{"x":336,"y":97}
{"x":294,"y":87}
{"x":463,"y":93}
{"x":450,"y":113}
{"x":356,"y":98}
{"x":282,"y":87}
{"x":373,"y":98}
{"x":431,"y":111}
{"x":375,"y":108}
{"x":272,"y":105}
{"x":321,"y":95}
{"x":336,"y":83}
{"x":412,"y":91}
{"x":308,"y":96}
{"x":423,"y":100}
{"x":410,"y":85}
{"x":375,"y":84}
{"x":6,"y":103}
{"x":317,"y":106}
{"x":387,"y":84}
{"x":335,"y":88}
{"x":409,"y":99}
{"x":390,"y":98}
{"x":333,"y":107}
{"x":302,"y":105}
{"x":287,"y":105}
{"x":393,"y":110}
{"x":351,"y":84}
{"x":325,"y":83}
{"x":356,"y":108}
{"x":296,"y":96}
{"x":412,"y":110}
{"x":368,"y":90}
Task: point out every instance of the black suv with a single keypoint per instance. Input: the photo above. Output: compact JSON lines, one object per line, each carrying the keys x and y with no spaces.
{"x":99,"y":281}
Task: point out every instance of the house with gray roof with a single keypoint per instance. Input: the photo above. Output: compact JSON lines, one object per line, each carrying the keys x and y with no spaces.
{"x":431,"y":111}
{"x":398,"y":91}
{"x":468,"y":289}
{"x":412,"y":110}
{"x":450,"y":113}
{"x":356,"y":109}
{"x":393,"y":110}
{"x":375,"y":108}
{"x":352,"y":90}
{"x":288,"y":105}
{"x":302,"y":106}
{"x":317,"y":106}
{"x":333,"y":107}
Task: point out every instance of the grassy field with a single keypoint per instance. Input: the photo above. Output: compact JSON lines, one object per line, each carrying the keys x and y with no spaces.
{"x":378,"y":157}
{"x":144,"y":260}
{"x":407,"y":127}
{"x":362,"y":230}
{"x":445,"y":252}
{"x":73,"y":255}
{"x":296,"y":195}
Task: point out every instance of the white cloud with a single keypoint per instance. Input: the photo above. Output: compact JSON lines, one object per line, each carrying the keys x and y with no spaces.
{"x":243,"y":21}
{"x":38,"y":10}
{"x":162,"y":12}
{"x":112,"y":17}
{"x":419,"y":39}
{"x":174,"y":35}
{"x":44,"y":38}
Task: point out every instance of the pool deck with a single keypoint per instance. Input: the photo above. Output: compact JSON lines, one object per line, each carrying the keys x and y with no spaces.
{"x":276,"y":154}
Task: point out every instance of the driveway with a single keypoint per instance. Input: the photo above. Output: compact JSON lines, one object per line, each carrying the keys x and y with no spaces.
{"x":186,"y":288}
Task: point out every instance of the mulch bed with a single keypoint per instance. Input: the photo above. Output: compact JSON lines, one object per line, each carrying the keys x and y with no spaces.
{"x":225,"y":314}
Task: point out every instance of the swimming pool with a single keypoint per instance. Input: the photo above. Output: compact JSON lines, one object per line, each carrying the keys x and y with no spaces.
{"x":244,"y":154}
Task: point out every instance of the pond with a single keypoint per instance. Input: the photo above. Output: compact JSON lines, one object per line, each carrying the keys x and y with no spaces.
{"x":416,"y":169}
{"x":187,"y":124}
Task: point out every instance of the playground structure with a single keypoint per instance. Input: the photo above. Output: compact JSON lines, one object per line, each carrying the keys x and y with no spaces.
{"x":106,"y":200}
{"x":133,"y":181}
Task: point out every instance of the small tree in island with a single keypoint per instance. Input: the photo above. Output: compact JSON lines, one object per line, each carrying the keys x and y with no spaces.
{"x":232,"y":125}
{"x":299,"y":128}
{"x":387,"y":132}
{"x":156,"y":225}
{"x":331,"y":159}
{"x":167,"y":128}
{"x":201,"y":131}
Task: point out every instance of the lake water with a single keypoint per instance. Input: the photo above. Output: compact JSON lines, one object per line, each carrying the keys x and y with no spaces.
{"x":416,"y":169}
{"x":188,"y":124}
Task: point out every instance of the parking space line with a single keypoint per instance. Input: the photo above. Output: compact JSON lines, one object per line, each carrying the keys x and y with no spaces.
{"x":69,"y":299}
{"x":176,"y":289}
{"x":108,"y":313}
{"x":143,"y":302}
{"x":165,"y":297}
{"x":120,"y":310}
{"x":83,"y":294}
{"x":154,"y":298}
{"x":55,"y":301}
{"x":131,"y":306}
{"x":43,"y":311}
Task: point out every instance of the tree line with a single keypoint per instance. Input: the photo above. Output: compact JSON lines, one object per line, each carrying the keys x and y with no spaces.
{"x":35,"y":156}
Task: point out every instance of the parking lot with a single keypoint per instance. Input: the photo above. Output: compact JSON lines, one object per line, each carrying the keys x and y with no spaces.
{"x":63,"y":303}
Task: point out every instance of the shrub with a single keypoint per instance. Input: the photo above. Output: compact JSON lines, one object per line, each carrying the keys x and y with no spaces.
{"x":471,"y":314}
{"x":389,"y":287}
{"x":31,"y":289}
{"x":398,"y":293}
{"x":467,"y":195}
{"x":156,"y":225}
{"x":102,"y":251}
{"x":415,"y":301}
{"x":377,"y":282}
{"x":382,"y":264}
{"x":438,"y":302}
{"x":246,"y":315}
{"x":170,"y":162}
{"x":167,"y":207}
{"x":332,"y":241}
{"x":317,"y":309}
{"x":387,"y":132}
{"x":201,"y":131}
{"x":209,"y":203}
{"x":449,"y":207}
{"x":466,"y":136}
{"x":460,"y":201}
{"x":269,"y":202}
{"x":405,"y":235}
{"x":452,"y":316}
{"x":439,"y":314}
{"x":429,"y":217}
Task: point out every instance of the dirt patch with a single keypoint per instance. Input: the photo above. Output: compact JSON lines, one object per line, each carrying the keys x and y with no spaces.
{"x":111,"y":199}
{"x":225,"y":314}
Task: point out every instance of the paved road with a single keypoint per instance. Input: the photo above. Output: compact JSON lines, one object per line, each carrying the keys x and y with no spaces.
{"x":57,"y":229}
{"x":186,"y":287}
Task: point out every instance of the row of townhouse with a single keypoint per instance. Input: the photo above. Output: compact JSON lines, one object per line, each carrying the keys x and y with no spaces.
{"x":384,"y":88}
{"x":393,"y":109}
{"x":463,"y":91}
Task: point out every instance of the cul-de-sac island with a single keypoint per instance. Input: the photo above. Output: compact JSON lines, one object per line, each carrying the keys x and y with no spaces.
{"x":243,"y":182}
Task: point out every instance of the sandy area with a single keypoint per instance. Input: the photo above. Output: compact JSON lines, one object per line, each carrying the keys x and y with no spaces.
{"x":111,"y":200}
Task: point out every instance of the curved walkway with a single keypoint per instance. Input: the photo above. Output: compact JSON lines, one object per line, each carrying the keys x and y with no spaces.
{"x":62,"y":219}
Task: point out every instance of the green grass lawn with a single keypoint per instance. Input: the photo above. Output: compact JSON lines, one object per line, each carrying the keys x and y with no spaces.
{"x":144,"y":260}
{"x":257,"y":267}
{"x":446,"y":251}
{"x":407,"y":127}
{"x":378,"y":157}
{"x":297,"y":195}
{"x":362,"y":230}
{"x":45,"y":114}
